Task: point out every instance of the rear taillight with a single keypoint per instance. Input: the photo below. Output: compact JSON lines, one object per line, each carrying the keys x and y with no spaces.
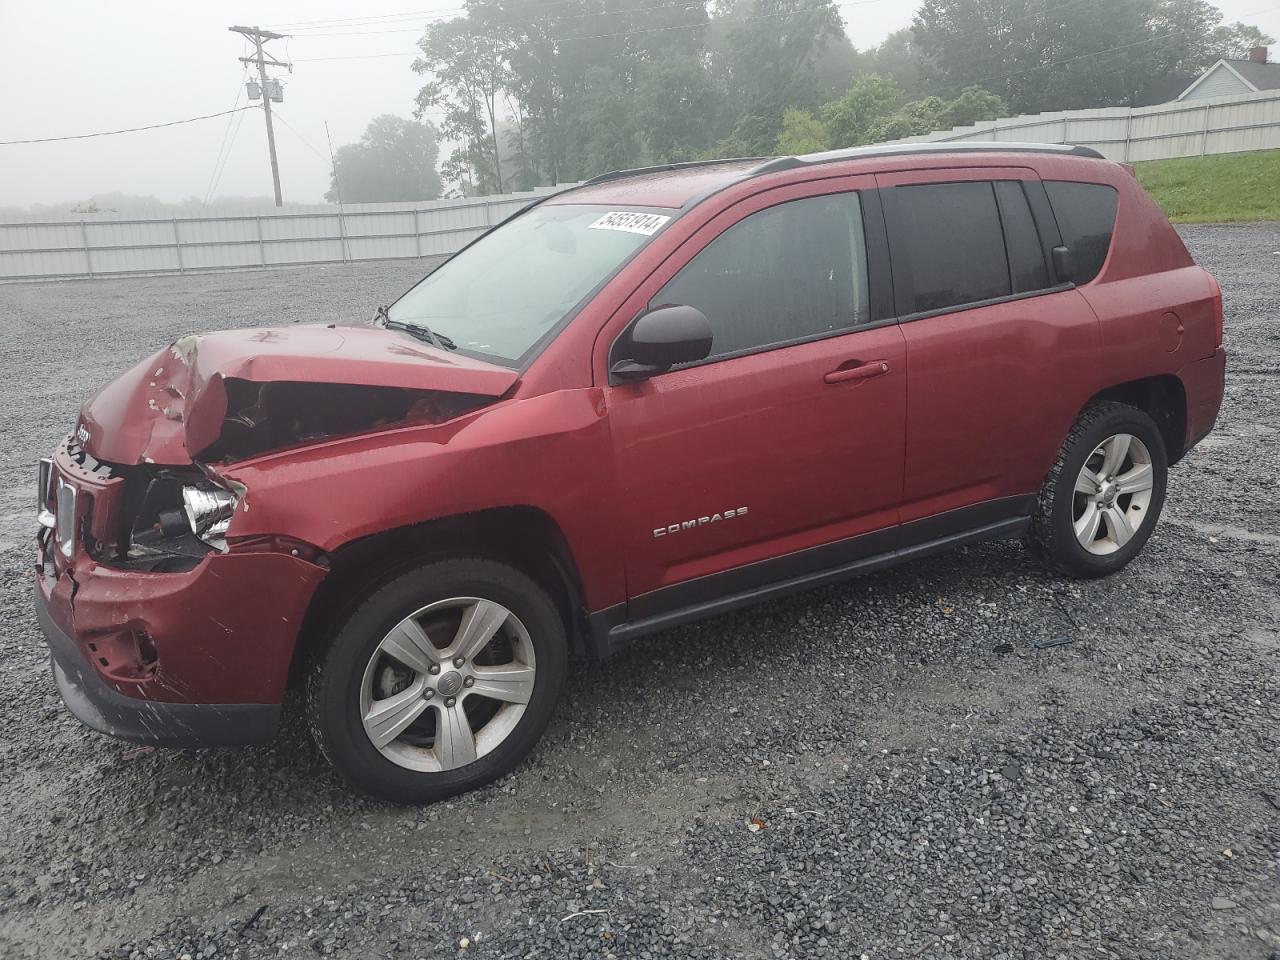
{"x":1217,"y":309}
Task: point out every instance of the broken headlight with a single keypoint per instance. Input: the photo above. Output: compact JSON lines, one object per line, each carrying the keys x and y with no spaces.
{"x":181,"y":516}
{"x":209,"y":511}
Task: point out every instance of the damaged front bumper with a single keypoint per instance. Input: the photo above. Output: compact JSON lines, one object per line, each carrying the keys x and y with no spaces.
{"x":190,"y":657}
{"x":99,"y":706}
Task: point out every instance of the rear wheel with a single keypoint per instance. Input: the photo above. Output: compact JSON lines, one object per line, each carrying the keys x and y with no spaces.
{"x":441,"y":681}
{"x":1103,"y":496}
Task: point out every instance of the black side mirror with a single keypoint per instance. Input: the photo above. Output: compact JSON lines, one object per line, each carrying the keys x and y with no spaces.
{"x":1064,"y":264}
{"x":660,"y":339}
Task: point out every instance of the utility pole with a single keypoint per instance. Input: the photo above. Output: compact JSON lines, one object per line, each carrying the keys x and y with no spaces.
{"x":263,"y":60}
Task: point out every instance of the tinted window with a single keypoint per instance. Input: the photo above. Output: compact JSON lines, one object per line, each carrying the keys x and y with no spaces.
{"x":954,"y":243}
{"x":1026,"y":254}
{"x":1086,"y":214}
{"x":795,"y":270}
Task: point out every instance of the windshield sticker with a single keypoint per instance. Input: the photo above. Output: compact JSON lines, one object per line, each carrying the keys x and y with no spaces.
{"x":646,"y":224}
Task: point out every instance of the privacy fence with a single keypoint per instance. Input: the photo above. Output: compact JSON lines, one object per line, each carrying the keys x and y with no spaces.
{"x":106,"y":244}
{"x":1187,"y":129}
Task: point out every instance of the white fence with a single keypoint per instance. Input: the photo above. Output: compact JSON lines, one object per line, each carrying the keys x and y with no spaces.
{"x":105,"y":244}
{"x":101,"y":245}
{"x":1187,"y":129}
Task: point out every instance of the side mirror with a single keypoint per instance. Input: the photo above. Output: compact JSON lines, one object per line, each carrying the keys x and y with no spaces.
{"x":660,"y":339}
{"x":1064,"y":264}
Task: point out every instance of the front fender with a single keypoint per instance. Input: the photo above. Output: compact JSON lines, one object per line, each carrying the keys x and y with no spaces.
{"x":551,"y":452}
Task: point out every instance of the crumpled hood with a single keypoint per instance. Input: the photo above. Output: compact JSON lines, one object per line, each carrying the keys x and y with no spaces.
{"x":171,"y":406}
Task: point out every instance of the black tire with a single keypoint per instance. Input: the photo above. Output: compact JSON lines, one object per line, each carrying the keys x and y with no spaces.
{"x":1052,"y":537}
{"x":335,"y":678}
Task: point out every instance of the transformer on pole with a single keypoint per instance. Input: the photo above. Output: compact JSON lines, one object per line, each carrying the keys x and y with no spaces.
{"x":268,"y":89}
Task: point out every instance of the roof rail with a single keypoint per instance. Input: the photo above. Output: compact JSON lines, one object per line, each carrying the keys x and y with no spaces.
{"x":907,"y":149}
{"x":664,"y":168}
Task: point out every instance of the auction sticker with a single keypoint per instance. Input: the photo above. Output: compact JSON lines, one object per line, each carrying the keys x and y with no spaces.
{"x":646,"y":224}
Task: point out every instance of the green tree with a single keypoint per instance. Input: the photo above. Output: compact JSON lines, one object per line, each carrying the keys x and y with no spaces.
{"x":1053,"y":55}
{"x":802,"y":132}
{"x":910,"y":120}
{"x":768,"y":54}
{"x":678,"y":108}
{"x":929,"y":114}
{"x":897,"y":58}
{"x":849,"y":119}
{"x":973,"y":105}
{"x":394,"y":160}
{"x":468,"y":77}
{"x":1234,"y":41}
{"x":585,"y":79}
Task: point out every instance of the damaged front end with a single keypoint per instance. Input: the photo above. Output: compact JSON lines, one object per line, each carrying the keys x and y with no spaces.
{"x":228,"y":396}
{"x":172,"y":428}
{"x":162,"y":622}
{"x":181,"y":515}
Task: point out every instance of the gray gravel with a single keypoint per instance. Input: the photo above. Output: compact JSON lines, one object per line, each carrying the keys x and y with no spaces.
{"x":888,"y":768}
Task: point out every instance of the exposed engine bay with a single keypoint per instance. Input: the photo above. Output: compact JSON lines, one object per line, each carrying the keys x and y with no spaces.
{"x":167,"y":518}
{"x":262,"y":417}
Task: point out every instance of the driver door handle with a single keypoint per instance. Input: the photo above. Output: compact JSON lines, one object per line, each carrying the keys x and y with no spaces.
{"x":860,"y":371}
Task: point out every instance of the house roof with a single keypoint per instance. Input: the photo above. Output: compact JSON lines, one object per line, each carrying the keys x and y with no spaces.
{"x":1262,"y":76}
{"x":1165,"y":90}
{"x":1256,"y":76}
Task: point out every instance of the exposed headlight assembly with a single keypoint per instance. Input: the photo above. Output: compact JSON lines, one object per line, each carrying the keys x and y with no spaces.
{"x":209,"y":511}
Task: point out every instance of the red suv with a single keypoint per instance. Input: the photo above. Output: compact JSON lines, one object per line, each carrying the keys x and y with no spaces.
{"x":658,"y":396}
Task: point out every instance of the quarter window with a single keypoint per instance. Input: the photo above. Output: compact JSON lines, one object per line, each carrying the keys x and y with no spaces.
{"x":786,"y":273}
{"x":1027,"y":267}
{"x":1086,"y":214}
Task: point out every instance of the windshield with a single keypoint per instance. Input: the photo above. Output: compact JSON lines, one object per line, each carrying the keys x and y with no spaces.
{"x":501,"y":296}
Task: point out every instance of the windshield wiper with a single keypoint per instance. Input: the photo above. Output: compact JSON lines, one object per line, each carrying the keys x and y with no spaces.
{"x":419,"y":330}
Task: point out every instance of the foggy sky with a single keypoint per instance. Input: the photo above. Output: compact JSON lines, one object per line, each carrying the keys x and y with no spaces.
{"x":81,"y":66}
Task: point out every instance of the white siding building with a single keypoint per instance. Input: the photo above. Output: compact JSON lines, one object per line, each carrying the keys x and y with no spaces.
{"x":1228,"y":78}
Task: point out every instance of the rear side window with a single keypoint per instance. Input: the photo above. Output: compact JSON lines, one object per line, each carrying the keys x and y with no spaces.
{"x":954,"y":243}
{"x":1027,"y":267}
{"x":786,"y":273}
{"x":1086,"y":215}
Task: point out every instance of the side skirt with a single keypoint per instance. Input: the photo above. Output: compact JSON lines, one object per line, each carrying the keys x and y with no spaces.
{"x":609,"y":630}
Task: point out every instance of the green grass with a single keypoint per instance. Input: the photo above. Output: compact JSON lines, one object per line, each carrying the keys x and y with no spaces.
{"x":1217,"y":189}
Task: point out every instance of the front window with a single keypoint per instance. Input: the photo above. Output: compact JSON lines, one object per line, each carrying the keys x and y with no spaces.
{"x":505,"y":295}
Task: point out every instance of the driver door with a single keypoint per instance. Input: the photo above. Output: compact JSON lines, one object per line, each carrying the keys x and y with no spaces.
{"x":781,"y":454}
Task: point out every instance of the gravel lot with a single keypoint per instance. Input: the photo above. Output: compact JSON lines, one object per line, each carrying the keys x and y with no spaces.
{"x":925,"y":780}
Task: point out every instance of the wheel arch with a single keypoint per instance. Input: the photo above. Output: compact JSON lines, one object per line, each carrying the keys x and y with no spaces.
{"x":524,"y":537}
{"x":1163,"y":398}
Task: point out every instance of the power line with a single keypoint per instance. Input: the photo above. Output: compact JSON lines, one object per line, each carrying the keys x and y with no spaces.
{"x":628,"y":33}
{"x":595,"y":36}
{"x":217,"y":179}
{"x":378,"y":16}
{"x":112,"y":133}
{"x":305,"y":142}
{"x":346,"y":27}
{"x":217,"y":160}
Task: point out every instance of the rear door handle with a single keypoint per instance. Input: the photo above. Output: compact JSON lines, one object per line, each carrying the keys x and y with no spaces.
{"x":863,"y":371}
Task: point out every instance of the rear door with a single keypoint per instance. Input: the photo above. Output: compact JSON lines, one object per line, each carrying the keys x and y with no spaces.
{"x":999,"y":355}
{"x":789,"y":437}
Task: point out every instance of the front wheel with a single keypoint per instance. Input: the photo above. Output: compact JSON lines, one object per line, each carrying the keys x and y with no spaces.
{"x":441,"y":681}
{"x":1103,"y":495}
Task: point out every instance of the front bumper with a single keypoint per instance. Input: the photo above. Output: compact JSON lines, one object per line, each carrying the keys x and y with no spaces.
{"x":197,"y":657}
{"x":98,"y":705}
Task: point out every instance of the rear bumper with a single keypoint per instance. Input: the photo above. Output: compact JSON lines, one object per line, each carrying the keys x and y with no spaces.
{"x":96,"y":704}
{"x":1204,"y":381}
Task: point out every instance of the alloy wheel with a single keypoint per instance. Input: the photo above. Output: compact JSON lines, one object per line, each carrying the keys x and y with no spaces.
{"x":1112,"y":494}
{"x":447,"y":684}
